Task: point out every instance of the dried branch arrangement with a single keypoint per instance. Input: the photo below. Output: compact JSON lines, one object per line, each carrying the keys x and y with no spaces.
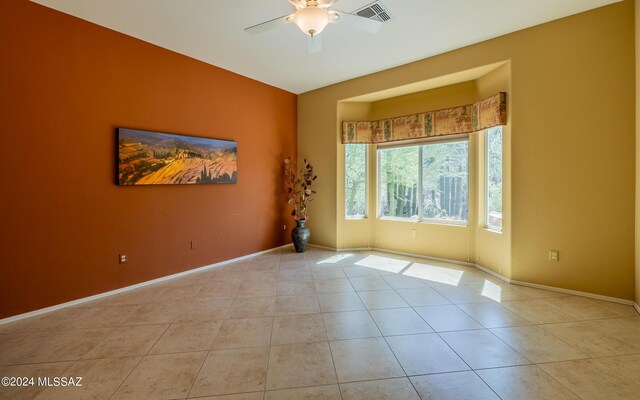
{"x":298,"y":186}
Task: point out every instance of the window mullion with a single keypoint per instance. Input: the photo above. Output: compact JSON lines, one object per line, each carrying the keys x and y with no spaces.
{"x":419,"y":196}
{"x":486,"y":178}
{"x":378,"y":184}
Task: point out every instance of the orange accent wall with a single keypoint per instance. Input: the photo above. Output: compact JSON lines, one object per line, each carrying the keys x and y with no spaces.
{"x":65,"y":86}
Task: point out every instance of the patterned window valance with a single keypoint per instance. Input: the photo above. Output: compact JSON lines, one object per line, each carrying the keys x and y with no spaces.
{"x":484,"y":114}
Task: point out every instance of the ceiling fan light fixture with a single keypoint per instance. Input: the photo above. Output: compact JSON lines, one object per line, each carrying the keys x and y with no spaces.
{"x":311,"y":20}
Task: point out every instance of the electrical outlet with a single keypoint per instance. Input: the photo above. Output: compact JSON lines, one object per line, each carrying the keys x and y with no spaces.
{"x":554,"y":255}
{"x":122,"y":259}
{"x":285,"y":228}
{"x":413,"y":232}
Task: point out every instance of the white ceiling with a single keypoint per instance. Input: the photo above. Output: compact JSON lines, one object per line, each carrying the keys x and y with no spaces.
{"x":213,"y":31}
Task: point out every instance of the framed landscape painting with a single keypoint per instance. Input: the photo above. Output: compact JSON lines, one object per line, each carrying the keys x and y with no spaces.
{"x":153,"y":158}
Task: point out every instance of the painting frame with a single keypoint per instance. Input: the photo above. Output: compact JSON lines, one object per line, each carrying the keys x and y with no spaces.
{"x":150,"y":158}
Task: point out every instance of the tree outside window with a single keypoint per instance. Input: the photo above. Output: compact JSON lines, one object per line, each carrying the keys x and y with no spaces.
{"x":425,"y":182}
{"x":355,"y":180}
{"x":494,"y":178}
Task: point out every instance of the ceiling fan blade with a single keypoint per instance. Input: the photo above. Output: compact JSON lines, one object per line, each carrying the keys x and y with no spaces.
{"x":267,"y":26}
{"x":297,"y":3}
{"x":362,"y":23}
{"x":314,"y":44}
{"x":327,"y":3}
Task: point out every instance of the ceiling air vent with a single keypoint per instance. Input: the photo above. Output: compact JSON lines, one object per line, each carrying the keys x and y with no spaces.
{"x":375,"y":11}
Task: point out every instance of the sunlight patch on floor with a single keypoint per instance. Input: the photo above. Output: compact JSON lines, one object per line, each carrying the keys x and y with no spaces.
{"x":335,"y":259}
{"x":492,"y":291}
{"x":384,"y":263}
{"x":435,"y":274}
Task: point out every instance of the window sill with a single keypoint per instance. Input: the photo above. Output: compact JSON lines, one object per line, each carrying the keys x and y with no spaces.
{"x":398,"y":219}
{"x":462,"y":224}
{"x":493,"y":230}
{"x":355,"y":218}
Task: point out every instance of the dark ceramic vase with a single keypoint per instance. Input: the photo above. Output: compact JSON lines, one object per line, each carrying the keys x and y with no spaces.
{"x":300,"y":236}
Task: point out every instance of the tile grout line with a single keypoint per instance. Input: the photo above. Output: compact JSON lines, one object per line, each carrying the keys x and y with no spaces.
{"x":407,"y":376}
{"x":444,"y":341}
{"x":465,"y":361}
{"x":204,"y":360}
{"x":326,"y":332}
{"x":560,"y":383}
{"x":511,"y":366}
{"x":452,"y":349}
{"x":273,"y":326}
{"x":387,"y":342}
{"x":142,"y":357}
{"x":589,"y":356}
{"x":213,"y":343}
{"x":63,"y":373}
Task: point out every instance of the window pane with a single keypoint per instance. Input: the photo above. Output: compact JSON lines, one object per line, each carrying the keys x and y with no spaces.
{"x":355,"y":180}
{"x":445,"y":182}
{"x":494,"y":178}
{"x":398,"y":191}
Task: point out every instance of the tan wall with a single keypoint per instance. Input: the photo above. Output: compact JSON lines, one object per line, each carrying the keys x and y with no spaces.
{"x":353,"y":233}
{"x":637,"y":9}
{"x":434,"y":99}
{"x":492,"y":250}
{"x":319,"y":122}
{"x":572,"y":145}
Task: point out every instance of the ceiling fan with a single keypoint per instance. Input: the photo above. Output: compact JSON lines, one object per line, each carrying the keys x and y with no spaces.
{"x":312,"y":16}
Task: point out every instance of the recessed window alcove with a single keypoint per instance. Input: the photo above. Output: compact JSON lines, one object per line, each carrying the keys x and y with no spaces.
{"x":401,"y":202}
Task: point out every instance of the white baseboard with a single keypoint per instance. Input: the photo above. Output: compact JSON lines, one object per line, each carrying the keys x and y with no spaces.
{"x":574,"y":292}
{"x":342,"y":250}
{"x":322,"y":247}
{"x":401,"y":253}
{"x":492,"y":273}
{"x":136,"y":286}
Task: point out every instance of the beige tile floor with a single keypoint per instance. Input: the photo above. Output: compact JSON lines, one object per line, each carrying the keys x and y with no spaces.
{"x":325,"y":325}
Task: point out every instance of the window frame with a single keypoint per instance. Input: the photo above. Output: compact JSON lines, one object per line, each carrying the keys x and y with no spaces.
{"x":366,"y":183}
{"x":378,"y":181}
{"x":420,"y":143}
{"x":487,"y":226}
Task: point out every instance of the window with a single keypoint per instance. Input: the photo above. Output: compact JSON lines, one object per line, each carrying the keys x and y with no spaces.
{"x":399,"y":176}
{"x":428,"y":182}
{"x":445,"y":181}
{"x":494,"y":178}
{"x":355,"y":180}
